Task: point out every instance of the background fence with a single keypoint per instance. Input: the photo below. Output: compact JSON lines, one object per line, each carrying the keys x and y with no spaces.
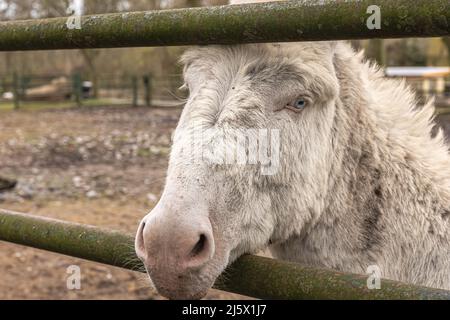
{"x":137,"y":90}
{"x":77,"y":89}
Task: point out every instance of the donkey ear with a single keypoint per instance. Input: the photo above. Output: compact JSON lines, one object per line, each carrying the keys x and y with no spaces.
{"x":328,"y":49}
{"x":325,"y":53}
{"x":333,"y":52}
{"x":324,"y":50}
{"x":331,"y":86}
{"x":333,"y":46}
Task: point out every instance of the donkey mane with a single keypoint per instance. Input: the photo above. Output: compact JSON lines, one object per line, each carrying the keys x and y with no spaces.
{"x":388,"y":193}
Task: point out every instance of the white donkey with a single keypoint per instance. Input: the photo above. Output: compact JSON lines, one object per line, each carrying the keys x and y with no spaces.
{"x":359,"y":180}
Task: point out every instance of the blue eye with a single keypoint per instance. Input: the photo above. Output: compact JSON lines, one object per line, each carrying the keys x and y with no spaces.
{"x":299,"y":104}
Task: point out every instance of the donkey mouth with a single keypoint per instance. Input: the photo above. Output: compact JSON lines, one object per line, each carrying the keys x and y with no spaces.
{"x":182,"y":291}
{"x":185,"y":296}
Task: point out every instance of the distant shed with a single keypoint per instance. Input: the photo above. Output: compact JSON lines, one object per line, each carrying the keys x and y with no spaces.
{"x":418,"y":72}
{"x":428,"y":81}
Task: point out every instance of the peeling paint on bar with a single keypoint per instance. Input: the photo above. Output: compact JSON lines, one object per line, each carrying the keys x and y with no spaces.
{"x":247,"y":23}
{"x":250,"y":275}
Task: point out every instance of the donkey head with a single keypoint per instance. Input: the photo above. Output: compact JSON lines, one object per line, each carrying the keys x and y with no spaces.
{"x":249,"y":163}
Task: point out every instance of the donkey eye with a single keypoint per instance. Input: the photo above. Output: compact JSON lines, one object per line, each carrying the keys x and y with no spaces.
{"x":298,"y":104}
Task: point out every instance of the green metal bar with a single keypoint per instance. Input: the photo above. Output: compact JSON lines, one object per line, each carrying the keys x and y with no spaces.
{"x":247,"y":23}
{"x":250,"y":275}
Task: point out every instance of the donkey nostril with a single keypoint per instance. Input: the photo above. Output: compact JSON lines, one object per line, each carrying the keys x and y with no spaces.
{"x":201,"y":252}
{"x":140,"y":244}
{"x":199,"y":246}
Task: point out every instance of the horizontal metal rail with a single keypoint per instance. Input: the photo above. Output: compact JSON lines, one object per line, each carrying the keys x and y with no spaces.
{"x":250,"y":275}
{"x":247,"y":23}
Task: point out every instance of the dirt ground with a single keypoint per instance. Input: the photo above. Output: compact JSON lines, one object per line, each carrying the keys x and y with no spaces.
{"x":103,"y":166}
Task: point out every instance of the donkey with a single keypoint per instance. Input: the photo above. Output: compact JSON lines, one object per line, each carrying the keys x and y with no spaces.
{"x":360,"y":180}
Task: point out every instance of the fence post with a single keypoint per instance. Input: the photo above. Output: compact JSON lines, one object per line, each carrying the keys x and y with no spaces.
{"x":16,"y":93}
{"x":24,"y":81}
{"x":148,"y":89}
{"x":76,"y":88}
{"x":134,"y":87}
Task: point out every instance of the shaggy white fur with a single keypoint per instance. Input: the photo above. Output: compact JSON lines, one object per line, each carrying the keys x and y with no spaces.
{"x":362,"y":181}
